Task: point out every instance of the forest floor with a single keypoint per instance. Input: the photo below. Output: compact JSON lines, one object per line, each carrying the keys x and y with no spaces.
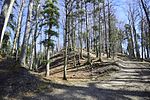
{"x":120,"y":79}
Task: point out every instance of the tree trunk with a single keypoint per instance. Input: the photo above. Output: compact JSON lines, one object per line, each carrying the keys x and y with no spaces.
{"x":135,"y":41}
{"x":132,"y":20}
{"x":26,"y":35}
{"x":109,"y":30}
{"x":94,"y":30}
{"x":146,"y":12}
{"x":142,"y":42}
{"x":32,"y":53}
{"x":147,"y":47}
{"x":69,"y":34}
{"x":88,"y":35}
{"x":148,"y":20}
{"x":105,"y":28}
{"x":48,"y":62}
{"x":132,"y":45}
{"x":99,"y":29}
{"x":58,"y":44}
{"x":74,"y":45}
{"x":14,"y":49}
{"x":81,"y":36}
{"x":2,"y":32}
{"x":3,"y":15}
{"x":34,"y":59}
{"x":65,"y":43}
{"x":18,"y":44}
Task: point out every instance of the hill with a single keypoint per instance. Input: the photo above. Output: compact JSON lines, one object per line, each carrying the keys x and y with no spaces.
{"x":111,"y":79}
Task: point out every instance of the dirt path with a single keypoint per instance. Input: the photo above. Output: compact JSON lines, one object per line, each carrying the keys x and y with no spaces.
{"x":132,"y":82}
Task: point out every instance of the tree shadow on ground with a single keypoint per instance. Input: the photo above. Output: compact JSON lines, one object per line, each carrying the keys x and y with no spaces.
{"x":139,"y":75}
{"x":57,"y":61}
{"x":92,"y":92}
{"x":14,"y":83}
{"x":16,"y":80}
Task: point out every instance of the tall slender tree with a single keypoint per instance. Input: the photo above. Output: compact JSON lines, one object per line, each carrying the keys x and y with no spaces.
{"x":65,"y":40}
{"x":105,"y":29}
{"x":14,"y":49}
{"x":22,"y":59}
{"x":87,"y":33}
{"x":33,"y":60}
{"x":51,"y":16}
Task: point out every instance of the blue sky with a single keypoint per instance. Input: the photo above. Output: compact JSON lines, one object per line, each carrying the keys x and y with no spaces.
{"x":120,"y":12}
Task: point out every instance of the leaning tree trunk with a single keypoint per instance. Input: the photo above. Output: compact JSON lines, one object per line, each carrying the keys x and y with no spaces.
{"x":18,"y":28}
{"x":10,"y":4}
{"x":26,"y":35}
{"x":3,"y":14}
{"x":146,"y":13}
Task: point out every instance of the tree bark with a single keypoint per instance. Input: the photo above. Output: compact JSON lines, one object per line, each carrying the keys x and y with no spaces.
{"x":148,"y":20}
{"x":6,"y":19}
{"x":142,"y":36}
{"x":87,"y":37}
{"x":109,"y":31}
{"x":105,"y":30}
{"x":99,"y":29}
{"x":14,"y":49}
{"x":135,"y":41}
{"x":34,"y":58}
{"x":81,"y":36}
{"x":22,"y":59}
{"x":48,"y":62}
{"x":146,"y":13}
{"x":65,"y":42}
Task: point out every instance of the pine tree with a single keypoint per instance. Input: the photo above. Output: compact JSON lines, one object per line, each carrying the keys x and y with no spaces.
{"x":51,"y":16}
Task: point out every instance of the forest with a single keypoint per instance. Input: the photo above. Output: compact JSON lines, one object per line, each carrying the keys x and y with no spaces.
{"x":74,"y":49}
